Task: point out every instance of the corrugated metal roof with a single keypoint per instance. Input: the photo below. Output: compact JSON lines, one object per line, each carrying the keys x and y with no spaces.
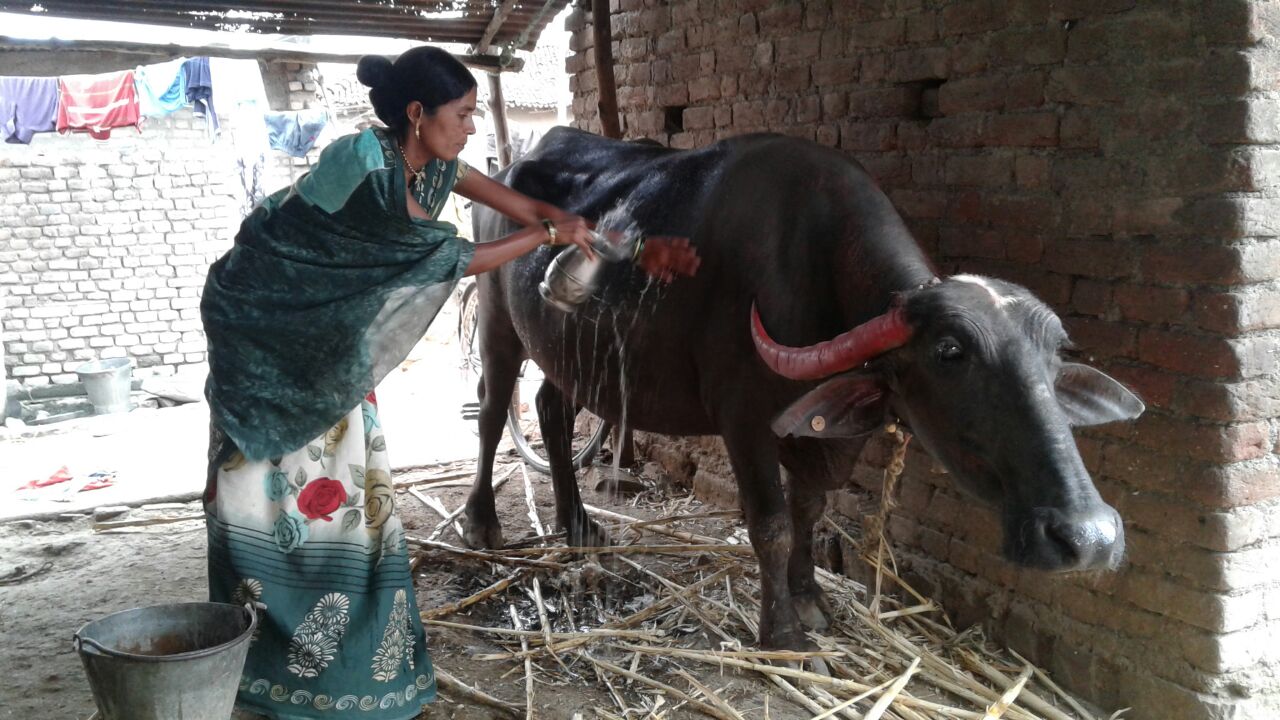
{"x":437,"y":21}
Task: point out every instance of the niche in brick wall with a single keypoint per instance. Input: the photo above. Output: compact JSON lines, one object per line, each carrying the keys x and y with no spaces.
{"x":673,"y":119}
{"x":925,"y":96}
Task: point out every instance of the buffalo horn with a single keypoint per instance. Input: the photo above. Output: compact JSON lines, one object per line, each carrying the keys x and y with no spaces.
{"x":843,"y":352}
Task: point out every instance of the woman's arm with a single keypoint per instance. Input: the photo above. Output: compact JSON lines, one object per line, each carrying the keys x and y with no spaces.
{"x":570,"y":230}
{"x":489,"y":255}
{"x":523,"y":209}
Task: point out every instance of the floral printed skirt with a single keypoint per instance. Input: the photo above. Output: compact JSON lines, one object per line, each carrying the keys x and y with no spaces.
{"x":313,"y":537}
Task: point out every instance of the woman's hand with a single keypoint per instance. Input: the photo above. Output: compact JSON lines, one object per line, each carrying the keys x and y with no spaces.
{"x":573,"y":229}
{"x":666,"y":257}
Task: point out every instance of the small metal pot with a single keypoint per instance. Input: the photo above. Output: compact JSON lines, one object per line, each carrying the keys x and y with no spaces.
{"x":572,"y":277}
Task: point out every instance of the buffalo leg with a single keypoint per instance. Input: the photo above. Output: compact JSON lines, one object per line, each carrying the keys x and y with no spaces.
{"x":555,"y":417}
{"x":501,"y":354}
{"x":754,"y":456}
{"x":812,"y":470}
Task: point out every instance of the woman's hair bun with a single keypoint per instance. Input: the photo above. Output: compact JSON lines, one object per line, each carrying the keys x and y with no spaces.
{"x":374,"y":71}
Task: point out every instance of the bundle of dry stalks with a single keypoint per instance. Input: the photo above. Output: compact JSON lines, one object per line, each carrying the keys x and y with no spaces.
{"x":666,"y":621}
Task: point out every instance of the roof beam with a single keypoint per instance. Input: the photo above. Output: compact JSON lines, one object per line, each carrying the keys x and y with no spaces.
{"x":500,"y":15}
{"x":171,"y":50}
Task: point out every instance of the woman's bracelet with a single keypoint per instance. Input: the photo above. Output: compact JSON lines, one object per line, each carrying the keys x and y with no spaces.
{"x":551,"y":231}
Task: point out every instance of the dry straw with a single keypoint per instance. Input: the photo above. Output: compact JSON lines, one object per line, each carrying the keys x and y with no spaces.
{"x":683,"y":646}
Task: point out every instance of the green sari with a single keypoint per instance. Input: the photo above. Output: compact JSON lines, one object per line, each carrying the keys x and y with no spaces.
{"x":329,"y":285}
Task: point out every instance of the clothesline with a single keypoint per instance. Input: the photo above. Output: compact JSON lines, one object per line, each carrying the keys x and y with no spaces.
{"x":97,"y":104}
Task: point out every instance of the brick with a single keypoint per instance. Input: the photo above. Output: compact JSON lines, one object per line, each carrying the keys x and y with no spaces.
{"x":1198,"y":440}
{"x":882,"y":102}
{"x":965,"y":207}
{"x":1073,"y":9}
{"x":1024,"y":91}
{"x":799,"y":48}
{"x":1018,"y":211}
{"x":1091,"y":297}
{"x":970,"y":243}
{"x":1022,"y":130}
{"x":699,"y":118}
{"x":1249,"y":399}
{"x":1045,"y":45}
{"x":734,"y":59}
{"x":841,"y":71}
{"x":1237,"y":23}
{"x":1237,"y":312}
{"x":1031,"y":172}
{"x":919,"y":204}
{"x":957,"y":132}
{"x":748,"y":114}
{"x":970,"y":17}
{"x":1195,"y":355}
{"x":780,"y":18}
{"x":980,"y":170}
{"x":972,"y":95}
{"x":921,"y":28}
{"x":1024,"y":247}
{"x":1251,"y":122}
{"x":776,"y":111}
{"x":1088,"y":85}
{"x":792,"y":79}
{"x":1151,"y":303}
{"x":920,"y":64}
{"x":1102,"y":338}
{"x":877,"y":34}
{"x":875,"y":68}
{"x":1147,"y":217}
{"x":1191,"y":263}
{"x":704,"y":88}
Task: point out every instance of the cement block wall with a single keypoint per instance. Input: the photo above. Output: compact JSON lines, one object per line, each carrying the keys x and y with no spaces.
{"x":104,"y":245}
{"x":1120,"y":159}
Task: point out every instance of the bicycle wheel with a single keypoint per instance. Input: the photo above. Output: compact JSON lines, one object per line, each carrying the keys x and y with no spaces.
{"x":522,"y":423}
{"x":522,"y":416}
{"x":468,"y":338}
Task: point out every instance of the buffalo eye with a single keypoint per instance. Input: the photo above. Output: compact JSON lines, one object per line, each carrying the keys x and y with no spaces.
{"x":948,"y":350}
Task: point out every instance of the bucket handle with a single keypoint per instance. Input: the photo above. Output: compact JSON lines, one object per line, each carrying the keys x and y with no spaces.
{"x":78,"y":642}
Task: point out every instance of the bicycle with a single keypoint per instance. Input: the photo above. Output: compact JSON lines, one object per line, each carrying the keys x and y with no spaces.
{"x":522,"y":418}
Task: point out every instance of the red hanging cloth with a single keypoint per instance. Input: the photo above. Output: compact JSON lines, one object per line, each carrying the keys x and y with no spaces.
{"x":97,"y":103}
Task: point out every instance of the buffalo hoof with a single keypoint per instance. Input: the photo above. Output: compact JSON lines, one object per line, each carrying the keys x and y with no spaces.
{"x":479,"y":535}
{"x":793,"y":639}
{"x":812,"y":609}
{"x":588,"y":534}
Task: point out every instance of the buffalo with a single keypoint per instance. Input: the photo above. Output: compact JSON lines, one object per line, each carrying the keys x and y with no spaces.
{"x":815,"y":318}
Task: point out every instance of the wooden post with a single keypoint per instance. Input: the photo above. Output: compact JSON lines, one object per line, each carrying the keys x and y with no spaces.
{"x":601,"y":28}
{"x":498,"y":106}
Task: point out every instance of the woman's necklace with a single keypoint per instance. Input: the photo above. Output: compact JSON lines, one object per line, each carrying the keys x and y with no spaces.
{"x":419,"y":175}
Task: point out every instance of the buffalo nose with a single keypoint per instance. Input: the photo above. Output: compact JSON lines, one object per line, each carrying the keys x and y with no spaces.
{"x":1077,"y":540}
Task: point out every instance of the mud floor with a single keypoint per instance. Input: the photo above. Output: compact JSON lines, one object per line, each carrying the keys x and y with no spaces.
{"x":74,"y":574}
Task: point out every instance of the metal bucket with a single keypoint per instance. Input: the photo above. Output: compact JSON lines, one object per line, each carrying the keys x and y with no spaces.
{"x":167,"y":662}
{"x":107,"y":383}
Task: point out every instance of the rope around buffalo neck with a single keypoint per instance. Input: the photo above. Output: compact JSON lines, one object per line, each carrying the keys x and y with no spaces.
{"x":874,"y":525}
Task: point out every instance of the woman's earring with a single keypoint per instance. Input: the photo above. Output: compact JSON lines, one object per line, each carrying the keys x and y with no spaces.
{"x":417,"y":131}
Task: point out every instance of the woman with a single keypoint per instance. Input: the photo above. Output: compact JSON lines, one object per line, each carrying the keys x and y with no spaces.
{"x":328,"y":286}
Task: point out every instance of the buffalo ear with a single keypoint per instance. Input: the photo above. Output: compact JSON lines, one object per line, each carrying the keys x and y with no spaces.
{"x":1091,"y":397}
{"x":845,"y":406}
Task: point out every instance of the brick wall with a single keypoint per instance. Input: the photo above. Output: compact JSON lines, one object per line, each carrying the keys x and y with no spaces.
{"x":104,"y":244}
{"x":1120,"y":159}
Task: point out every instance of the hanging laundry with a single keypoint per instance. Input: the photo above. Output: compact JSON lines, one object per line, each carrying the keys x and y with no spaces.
{"x":237,"y":84}
{"x":161,"y":87}
{"x":97,"y":103}
{"x":295,"y":132}
{"x":28,"y":105}
{"x":241,"y":97}
{"x":200,"y":91}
